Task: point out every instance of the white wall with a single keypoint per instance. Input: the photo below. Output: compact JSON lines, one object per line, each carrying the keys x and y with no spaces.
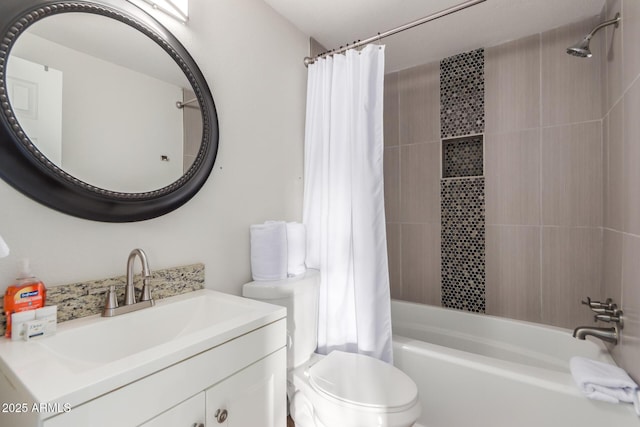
{"x":252,"y":59}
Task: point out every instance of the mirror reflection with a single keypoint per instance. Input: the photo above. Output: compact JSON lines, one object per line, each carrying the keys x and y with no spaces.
{"x":104,"y":103}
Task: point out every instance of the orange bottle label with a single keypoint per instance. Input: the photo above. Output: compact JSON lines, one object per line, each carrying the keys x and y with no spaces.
{"x":21,"y":298}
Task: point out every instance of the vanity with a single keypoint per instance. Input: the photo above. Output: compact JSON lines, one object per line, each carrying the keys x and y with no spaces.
{"x":199,"y":359}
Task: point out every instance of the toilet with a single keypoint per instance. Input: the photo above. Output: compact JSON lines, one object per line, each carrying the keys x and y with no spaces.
{"x":340,"y":389}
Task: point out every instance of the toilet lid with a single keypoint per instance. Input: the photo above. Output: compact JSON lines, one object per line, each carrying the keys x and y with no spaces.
{"x":362,"y":380}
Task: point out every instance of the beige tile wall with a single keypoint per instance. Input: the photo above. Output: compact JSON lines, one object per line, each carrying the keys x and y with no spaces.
{"x":513,"y":286}
{"x":621,"y":249}
{"x":412,"y":182}
{"x":544,"y":178}
{"x":562,"y":165}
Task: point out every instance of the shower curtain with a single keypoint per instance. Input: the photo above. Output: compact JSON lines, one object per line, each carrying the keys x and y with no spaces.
{"x":344,"y":202}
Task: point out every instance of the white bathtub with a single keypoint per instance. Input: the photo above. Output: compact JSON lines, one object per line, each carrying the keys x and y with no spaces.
{"x":478,"y":370}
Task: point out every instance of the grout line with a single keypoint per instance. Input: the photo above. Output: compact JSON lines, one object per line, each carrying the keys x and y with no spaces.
{"x":400,"y":145}
{"x":572,"y":227}
{"x":540,"y":136}
{"x":413,"y":144}
{"x":571,"y":124}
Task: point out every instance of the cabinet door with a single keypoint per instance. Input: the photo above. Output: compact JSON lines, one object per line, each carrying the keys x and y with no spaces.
{"x":190,"y":413}
{"x":255,"y":396}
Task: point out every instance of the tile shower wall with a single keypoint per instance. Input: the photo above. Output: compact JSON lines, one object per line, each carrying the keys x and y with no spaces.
{"x":436,"y":255}
{"x":462,"y":204}
{"x":463,"y":244}
{"x":412,"y":182}
{"x":543,"y":179}
{"x":621,"y":130}
{"x":462,"y":94}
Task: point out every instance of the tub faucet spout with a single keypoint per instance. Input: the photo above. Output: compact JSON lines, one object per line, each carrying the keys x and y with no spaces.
{"x":605,"y":334}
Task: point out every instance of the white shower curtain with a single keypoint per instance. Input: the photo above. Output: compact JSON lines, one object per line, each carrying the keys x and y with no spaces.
{"x":344,"y":202}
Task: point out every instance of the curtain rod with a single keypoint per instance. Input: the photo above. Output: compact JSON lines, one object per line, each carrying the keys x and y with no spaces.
{"x":453,"y":9}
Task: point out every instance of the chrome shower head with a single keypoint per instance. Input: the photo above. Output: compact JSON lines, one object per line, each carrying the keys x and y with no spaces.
{"x":581,"y":49}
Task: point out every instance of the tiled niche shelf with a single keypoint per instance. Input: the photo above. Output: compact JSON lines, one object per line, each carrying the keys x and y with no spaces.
{"x":463,"y":157}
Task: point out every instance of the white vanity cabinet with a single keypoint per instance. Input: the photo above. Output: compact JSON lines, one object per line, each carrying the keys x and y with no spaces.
{"x":190,"y":413}
{"x":252,"y":397}
{"x":226,"y":366}
{"x":249,"y":398}
{"x":245,"y":376}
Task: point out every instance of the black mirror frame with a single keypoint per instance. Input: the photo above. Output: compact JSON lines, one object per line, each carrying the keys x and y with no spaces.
{"x":26,"y":169}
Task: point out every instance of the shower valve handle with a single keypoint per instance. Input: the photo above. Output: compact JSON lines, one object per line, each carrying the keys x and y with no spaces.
{"x":608,"y":304}
{"x":610,"y":311}
{"x":609,"y":318}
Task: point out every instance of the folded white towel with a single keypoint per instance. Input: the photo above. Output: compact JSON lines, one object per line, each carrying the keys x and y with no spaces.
{"x":269,"y":251}
{"x":602,"y":381}
{"x":296,"y":248}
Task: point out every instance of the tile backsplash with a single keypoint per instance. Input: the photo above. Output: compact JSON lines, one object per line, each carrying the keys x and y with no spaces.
{"x":85,"y":298}
{"x":462,"y":94}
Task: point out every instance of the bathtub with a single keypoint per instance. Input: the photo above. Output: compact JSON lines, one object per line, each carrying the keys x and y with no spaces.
{"x":478,"y":370}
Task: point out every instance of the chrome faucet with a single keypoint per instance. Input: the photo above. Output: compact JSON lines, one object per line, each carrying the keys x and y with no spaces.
{"x":605,"y":312}
{"x":129,"y":290}
{"x":111,"y":307}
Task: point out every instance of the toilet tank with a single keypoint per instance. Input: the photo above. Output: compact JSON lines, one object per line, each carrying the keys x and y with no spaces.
{"x":299,"y":295}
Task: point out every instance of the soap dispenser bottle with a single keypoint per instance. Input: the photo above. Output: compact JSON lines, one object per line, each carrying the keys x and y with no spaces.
{"x":28,"y":293}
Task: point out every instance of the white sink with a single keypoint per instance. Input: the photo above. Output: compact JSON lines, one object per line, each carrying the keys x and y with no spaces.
{"x":103,"y":340}
{"x":90,"y":356}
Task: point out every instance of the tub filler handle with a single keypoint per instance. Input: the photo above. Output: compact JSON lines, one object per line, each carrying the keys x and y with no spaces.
{"x":608,"y":304}
{"x":611,"y":318}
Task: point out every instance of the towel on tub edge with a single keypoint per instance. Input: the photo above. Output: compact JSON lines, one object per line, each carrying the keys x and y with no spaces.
{"x":603,"y":381}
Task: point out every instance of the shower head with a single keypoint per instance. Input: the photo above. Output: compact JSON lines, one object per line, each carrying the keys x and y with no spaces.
{"x":581,"y":49}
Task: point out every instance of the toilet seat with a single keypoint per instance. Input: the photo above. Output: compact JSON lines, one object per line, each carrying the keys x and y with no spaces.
{"x":362,"y":381}
{"x":351,"y":390}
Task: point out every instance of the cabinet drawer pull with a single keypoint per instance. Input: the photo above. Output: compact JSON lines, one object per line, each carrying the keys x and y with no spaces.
{"x":221,"y":415}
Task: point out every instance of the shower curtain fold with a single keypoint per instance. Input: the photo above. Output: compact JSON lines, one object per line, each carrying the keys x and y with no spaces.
{"x":344,"y":202}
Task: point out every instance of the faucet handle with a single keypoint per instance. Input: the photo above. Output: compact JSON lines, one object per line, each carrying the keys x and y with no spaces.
{"x":611,"y":318}
{"x":613,"y":310}
{"x":607,"y":304}
{"x":111,"y":300}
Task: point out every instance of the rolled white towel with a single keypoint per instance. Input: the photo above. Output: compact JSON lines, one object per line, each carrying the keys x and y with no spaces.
{"x":269,"y":251}
{"x":602,"y":381}
{"x":296,"y":248}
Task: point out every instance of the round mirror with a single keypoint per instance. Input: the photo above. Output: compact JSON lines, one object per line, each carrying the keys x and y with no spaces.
{"x":98,"y":98}
{"x":106,"y":107}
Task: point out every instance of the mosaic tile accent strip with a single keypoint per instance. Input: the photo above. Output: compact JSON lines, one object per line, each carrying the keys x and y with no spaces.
{"x":462,"y":157}
{"x":83,"y":299}
{"x":463,"y":244}
{"x":462,"y":94}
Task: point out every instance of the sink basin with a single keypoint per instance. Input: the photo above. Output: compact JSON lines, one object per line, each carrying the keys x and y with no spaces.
{"x":103,"y":340}
{"x":93,"y":355}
